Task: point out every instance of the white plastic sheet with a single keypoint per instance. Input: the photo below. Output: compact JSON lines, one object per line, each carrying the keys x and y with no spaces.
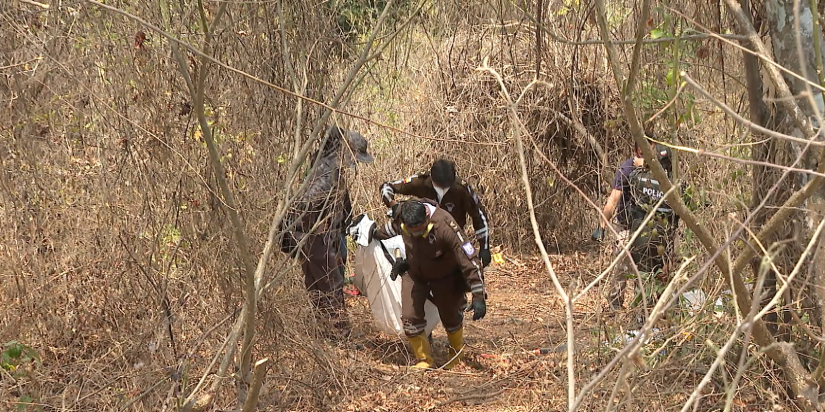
{"x":695,"y":299}
{"x":372,"y":278}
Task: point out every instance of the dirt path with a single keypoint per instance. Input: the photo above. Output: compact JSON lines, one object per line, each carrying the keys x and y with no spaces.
{"x":501,"y":371}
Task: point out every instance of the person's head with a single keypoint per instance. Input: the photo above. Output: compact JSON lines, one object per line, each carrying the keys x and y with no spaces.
{"x":357,"y":144}
{"x":662,"y":152}
{"x":651,"y":140}
{"x":414,"y":219}
{"x":333,"y":141}
{"x":443,"y":173}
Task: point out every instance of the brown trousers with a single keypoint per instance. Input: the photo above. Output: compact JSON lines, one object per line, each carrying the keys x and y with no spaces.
{"x":323,"y":277}
{"x":448,"y":295}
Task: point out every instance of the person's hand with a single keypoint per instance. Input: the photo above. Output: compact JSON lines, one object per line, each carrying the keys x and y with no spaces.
{"x":371,"y":232}
{"x":598,"y":234}
{"x":395,"y":209}
{"x":484,"y":255}
{"x":398,"y":268}
{"x":478,"y":307}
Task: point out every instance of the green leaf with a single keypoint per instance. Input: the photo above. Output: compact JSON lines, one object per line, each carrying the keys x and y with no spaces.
{"x":657,"y":33}
{"x":14,"y":350}
{"x":24,"y":402}
{"x":671,"y":77}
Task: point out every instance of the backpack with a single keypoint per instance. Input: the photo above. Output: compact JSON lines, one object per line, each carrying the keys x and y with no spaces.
{"x":651,"y":247}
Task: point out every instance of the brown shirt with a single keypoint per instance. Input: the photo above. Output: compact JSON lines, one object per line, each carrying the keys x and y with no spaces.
{"x":459,"y":201}
{"x":444,"y":251}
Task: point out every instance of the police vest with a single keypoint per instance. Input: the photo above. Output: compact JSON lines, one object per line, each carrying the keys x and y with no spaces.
{"x":646,"y":192}
{"x":656,"y":235}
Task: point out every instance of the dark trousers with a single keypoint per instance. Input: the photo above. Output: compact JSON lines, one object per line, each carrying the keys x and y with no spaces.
{"x":448,"y":295}
{"x":323,"y":277}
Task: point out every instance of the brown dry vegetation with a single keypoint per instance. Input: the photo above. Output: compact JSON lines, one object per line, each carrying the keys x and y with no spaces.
{"x":119,"y":266}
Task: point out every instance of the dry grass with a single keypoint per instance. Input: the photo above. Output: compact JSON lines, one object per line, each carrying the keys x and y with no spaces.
{"x":114,"y":233}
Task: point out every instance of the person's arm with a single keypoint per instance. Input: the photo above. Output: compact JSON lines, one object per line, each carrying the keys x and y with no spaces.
{"x":610,"y":207}
{"x":347,"y":210}
{"x":468,"y":262}
{"x":480,"y":218}
{"x":470,"y":267}
{"x":411,"y":186}
{"x":388,"y":230}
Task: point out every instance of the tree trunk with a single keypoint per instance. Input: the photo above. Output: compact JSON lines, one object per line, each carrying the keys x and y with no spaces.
{"x":789,"y":38}
{"x":794,"y":46}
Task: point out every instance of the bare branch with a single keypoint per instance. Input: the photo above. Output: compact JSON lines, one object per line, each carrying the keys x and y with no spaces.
{"x":328,"y":107}
{"x":576,"y":125}
{"x":517,"y":129}
{"x":747,"y":123}
{"x":787,"y":101}
{"x":251,"y":404}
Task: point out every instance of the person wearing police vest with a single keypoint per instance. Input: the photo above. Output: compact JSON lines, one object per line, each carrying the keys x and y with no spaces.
{"x":441,"y":264}
{"x":453,"y":195}
{"x":625,"y":207}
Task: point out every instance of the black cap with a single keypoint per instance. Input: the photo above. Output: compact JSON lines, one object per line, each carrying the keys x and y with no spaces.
{"x":662,"y":152}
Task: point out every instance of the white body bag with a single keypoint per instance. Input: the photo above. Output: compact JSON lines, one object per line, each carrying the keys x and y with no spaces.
{"x":372,"y":278}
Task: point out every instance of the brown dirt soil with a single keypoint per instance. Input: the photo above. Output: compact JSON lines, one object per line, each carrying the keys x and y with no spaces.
{"x":499,"y":372}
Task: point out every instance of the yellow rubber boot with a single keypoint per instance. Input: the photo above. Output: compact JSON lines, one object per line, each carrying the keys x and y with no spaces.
{"x":456,"y":340}
{"x":421,"y":350}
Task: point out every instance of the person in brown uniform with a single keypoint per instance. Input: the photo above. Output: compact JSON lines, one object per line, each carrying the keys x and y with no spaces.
{"x":321,"y":215}
{"x":453,"y":195}
{"x":440,"y":261}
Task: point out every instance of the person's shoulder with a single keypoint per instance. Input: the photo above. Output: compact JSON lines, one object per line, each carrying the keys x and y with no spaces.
{"x":627,"y":167}
{"x":464,"y":186}
{"x":443,"y":218}
{"x":412,"y":178}
{"x":628,"y":163}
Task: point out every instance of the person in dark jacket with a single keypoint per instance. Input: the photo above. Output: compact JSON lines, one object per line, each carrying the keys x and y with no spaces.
{"x":442,"y":262}
{"x":325,"y":210}
{"x":453,"y":195}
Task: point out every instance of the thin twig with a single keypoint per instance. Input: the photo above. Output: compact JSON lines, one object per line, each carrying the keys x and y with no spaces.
{"x":745,"y":122}
{"x":476,"y":396}
{"x":329,"y":107}
{"x":519,"y":128}
{"x":11,"y":66}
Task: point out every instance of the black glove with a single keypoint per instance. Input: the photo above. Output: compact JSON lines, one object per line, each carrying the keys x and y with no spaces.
{"x":484,"y":255}
{"x":398,"y":268}
{"x":598,"y":234}
{"x":478,"y":307}
{"x":371,"y":233}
